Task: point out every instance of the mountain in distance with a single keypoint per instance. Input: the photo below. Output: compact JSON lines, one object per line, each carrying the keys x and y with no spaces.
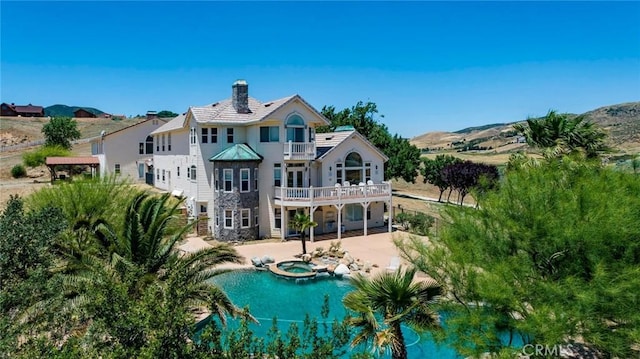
{"x":67,"y":111}
{"x":621,"y":122}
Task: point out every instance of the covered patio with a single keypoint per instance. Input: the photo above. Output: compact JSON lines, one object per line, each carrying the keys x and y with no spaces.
{"x":54,"y":164}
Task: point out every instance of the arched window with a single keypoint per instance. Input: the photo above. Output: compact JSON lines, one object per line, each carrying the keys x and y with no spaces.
{"x":193,"y":173}
{"x":295,"y":128}
{"x":353,"y":168}
{"x":149,"y":145}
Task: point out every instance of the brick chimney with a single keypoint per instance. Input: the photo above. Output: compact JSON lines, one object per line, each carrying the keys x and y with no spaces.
{"x":240,"y":97}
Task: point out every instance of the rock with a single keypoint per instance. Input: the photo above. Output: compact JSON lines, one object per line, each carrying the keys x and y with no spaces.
{"x":256,"y":261}
{"x":354,"y":267}
{"x":331,"y":268}
{"x":348,"y":258}
{"x":341,"y":269}
{"x":266,"y":259}
{"x":306,"y":257}
{"x":367,"y":266}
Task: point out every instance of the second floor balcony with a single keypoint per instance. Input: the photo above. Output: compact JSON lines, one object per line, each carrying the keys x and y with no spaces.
{"x":304,"y":151}
{"x":309,"y":196}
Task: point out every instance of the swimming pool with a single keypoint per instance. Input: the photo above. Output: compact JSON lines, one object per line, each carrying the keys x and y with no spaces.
{"x":289,"y":300}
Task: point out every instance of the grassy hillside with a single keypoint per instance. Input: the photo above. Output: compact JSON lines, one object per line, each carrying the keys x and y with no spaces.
{"x":67,"y":111}
{"x":621,"y":122}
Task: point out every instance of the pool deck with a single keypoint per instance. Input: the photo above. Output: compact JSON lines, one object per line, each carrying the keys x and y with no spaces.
{"x":377,"y":249}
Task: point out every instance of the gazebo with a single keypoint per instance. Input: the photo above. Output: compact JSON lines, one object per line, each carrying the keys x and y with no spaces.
{"x":54,"y":162}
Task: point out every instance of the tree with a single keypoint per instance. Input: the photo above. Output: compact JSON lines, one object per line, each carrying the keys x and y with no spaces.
{"x":551,"y":255}
{"x":431,"y":171}
{"x":301,"y":222}
{"x":167,"y":113}
{"x":560,"y":135}
{"x":60,"y":131}
{"x":466,"y":176}
{"x":394,"y":298}
{"x":404,"y":158}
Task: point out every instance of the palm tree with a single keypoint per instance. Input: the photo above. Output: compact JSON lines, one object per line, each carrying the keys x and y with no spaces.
{"x":560,"y":135}
{"x":386,"y":301}
{"x":300,"y":222}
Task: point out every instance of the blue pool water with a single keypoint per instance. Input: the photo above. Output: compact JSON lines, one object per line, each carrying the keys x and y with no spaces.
{"x":289,"y":300}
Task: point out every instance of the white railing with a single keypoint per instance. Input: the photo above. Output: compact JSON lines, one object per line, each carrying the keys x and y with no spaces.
{"x":299,"y":150}
{"x":317,"y":194}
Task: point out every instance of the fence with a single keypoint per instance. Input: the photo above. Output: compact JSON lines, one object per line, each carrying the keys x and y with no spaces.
{"x":434,"y":228}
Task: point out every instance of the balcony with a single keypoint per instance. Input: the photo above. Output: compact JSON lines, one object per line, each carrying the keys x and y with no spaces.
{"x":318,"y":196}
{"x":304,"y":151}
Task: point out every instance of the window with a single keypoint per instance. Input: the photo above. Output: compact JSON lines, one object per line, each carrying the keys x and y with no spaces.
{"x":277,"y":174}
{"x":353,"y":168}
{"x":295,"y":129}
{"x":244,"y":180}
{"x":216,"y":179}
{"x":193,"y":173}
{"x":367,"y":172}
{"x":117,"y":168}
{"x":217,"y":220}
{"x":158,"y":174}
{"x":270,"y":134}
{"x":255,"y":179}
{"x":192,"y":136}
{"x":168,"y":142}
{"x":214,"y":135}
{"x":354,"y":212}
{"x":205,"y":135}
{"x":228,"y":218}
{"x":178,"y":172}
{"x":339,"y":173}
{"x":163,"y":141}
{"x":368,"y":213}
{"x":188,"y":173}
{"x":157,"y":139}
{"x":245,"y":214}
{"x":229,"y":135}
{"x":277,"y":218}
{"x":228,"y":179}
{"x":256,"y":217}
{"x":163,"y":176}
{"x":203,"y":208}
{"x":149,"y":145}
{"x":141,"y":148}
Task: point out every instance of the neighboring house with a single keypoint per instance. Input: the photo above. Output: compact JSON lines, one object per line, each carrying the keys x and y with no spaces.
{"x":13,"y":110}
{"x":82,"y":113}
{"x":246,"y":167}
{"x":128,"y":151}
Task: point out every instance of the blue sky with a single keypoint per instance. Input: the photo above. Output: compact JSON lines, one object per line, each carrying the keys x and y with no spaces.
{"x":429,"y":66}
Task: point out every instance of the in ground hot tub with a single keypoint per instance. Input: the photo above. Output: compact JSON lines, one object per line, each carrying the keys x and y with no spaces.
{"x":293,"y":269}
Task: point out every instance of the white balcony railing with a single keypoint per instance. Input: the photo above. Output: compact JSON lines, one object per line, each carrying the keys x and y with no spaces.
{"x":299,"y":150}
{"x":334,"y":194}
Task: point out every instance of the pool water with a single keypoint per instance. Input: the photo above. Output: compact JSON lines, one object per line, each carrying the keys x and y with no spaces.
{"x":289,"y":300}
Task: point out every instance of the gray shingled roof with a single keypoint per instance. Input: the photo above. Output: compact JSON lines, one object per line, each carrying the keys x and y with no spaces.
{"x":175,"y":124}
{"x":224,"y":111}
{"x":326,"y":142}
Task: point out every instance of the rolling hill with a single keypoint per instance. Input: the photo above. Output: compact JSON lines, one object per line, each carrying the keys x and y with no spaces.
{"x":621,"y":121}
{"x":67,"y":111}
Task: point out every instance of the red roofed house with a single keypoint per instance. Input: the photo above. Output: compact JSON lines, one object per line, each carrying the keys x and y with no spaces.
{"x":14,"y":110}
{"x":82,"y":113}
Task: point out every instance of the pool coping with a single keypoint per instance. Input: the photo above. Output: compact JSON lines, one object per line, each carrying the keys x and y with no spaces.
{"x":273,"y":268}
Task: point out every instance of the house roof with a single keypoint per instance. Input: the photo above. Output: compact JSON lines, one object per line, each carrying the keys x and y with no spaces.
{"x":175,"y":124}
{"x":223,"y":112}
{"x":237,"y":152}
{"x":83,"y":160}
{"x":128,"y":127}
{"x":25,"y":108}
{"x":327,"y":142}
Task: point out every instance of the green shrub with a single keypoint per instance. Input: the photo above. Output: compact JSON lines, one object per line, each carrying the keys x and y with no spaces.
{"x":18,"y":171}
{"x":37,"y":157}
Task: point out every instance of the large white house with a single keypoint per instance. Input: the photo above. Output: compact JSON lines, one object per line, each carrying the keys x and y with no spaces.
{"x":245,"y":167}
{"x":127,"y":152}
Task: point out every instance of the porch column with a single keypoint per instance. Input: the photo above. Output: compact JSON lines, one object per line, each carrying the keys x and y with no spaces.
{"x":365,"y":205}
{"x":311,"y":211}
{"x":390,"y":205}
{"x":282,"y":222}
{"x":339,"y":208}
